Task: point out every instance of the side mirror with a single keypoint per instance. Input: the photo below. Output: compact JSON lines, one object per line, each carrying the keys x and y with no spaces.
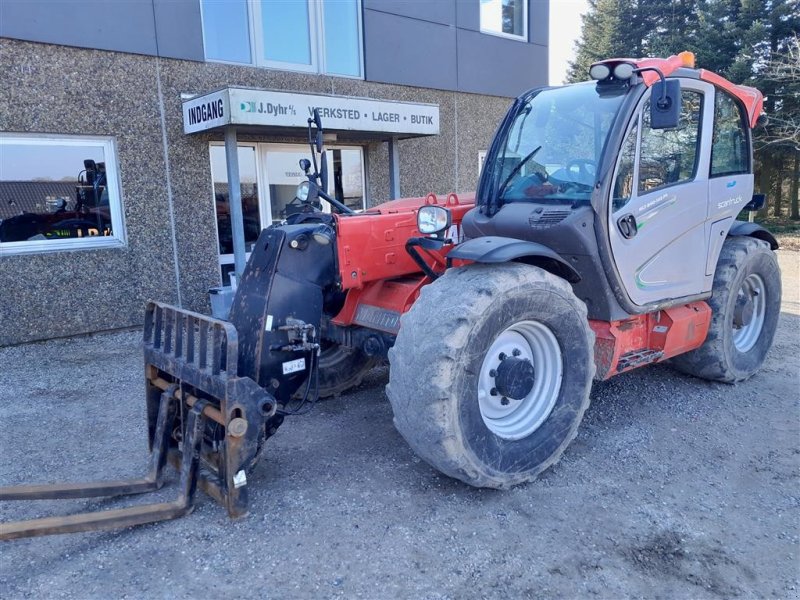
{"x":665,"y":104}
{"x":757,"y":203}
{"x":323,"y":172}
{"x":305,"y":164}
{"x":317,"y":120}
{"x":318,"y":140}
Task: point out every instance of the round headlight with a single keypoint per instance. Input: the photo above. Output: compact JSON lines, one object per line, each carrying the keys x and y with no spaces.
{"x":302,"y":191}
{"x":623,"y":71}
{"x":599,"y":72}
{"x":433,"y":219}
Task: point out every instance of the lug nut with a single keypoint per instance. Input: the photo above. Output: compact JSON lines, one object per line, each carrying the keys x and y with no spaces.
{"x":493,"y":392}
{"x":502,"y":356}
{"x":492,"y":373}
{"x":504,"y":401}
{"x":516,"y":352}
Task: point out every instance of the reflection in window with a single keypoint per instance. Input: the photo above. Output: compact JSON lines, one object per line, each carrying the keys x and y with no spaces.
{"x":249,"y":190}
{"x":318,"y":35}
{"x":348,"y":177}
{"x":729,"y":154}
{"x":226,"y":30}
{"x":285,"y":31}
{"x":58,"y":192}
{"x":669,"y":156}
{"x":342,"y":48}
{"x":623,"y":184}
{"x":504,"y":17}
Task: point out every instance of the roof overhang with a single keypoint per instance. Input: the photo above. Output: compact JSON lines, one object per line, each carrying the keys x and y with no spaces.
{"x":286,"y":113}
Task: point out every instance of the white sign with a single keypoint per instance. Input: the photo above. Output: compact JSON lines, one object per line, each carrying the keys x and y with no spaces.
{"x":242,"y":106}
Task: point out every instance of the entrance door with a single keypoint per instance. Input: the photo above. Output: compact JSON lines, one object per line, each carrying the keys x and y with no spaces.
{"x":658,"y":208}
{"x":269,"y":175}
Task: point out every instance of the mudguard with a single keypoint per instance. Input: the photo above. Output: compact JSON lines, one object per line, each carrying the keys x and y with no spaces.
{"x":497,"y":249}
{"x":753,"y":230}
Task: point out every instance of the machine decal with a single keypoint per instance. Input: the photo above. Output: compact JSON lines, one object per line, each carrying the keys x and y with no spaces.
{"x":730,"y":202}
{"x":655,"y":207}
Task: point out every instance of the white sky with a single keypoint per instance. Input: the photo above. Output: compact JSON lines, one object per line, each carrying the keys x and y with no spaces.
{"x":565,"y":29}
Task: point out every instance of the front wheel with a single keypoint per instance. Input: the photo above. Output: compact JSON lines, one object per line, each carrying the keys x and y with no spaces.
{"x":745,"y":304}
{"x":491,"y":372}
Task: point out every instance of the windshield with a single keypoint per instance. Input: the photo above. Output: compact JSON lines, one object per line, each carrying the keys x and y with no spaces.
{"x":554,"y":145}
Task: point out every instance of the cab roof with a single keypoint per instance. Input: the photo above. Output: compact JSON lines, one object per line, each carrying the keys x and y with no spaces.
{"x":752,"y":99}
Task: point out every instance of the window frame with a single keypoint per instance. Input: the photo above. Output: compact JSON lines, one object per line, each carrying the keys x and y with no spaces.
{"x":116,"y":205}
{"x":508,"y":36}
{"x":698,"y":153}
{"x":317,"y":41}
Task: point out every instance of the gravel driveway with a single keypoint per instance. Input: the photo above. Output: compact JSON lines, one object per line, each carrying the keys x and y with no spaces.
{"x":674,"y":488}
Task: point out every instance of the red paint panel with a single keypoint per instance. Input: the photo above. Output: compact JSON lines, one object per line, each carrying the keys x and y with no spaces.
{"x":624,"y":345}
{"x":371,"y":246}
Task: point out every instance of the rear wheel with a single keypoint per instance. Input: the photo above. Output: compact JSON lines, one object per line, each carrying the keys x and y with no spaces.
{"x":745,"y":305}
{"x":491,"y":372}
{"x":341,"y":368}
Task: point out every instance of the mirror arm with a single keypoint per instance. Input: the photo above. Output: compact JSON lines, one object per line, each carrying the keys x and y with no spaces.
{"x":662,"y":102}
{"x":343,"y":208}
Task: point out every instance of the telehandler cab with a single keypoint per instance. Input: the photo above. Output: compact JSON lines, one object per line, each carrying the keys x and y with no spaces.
{"x":603,"y":237}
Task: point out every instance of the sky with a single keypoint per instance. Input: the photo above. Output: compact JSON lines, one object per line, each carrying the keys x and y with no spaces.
{"x":565,"y":29}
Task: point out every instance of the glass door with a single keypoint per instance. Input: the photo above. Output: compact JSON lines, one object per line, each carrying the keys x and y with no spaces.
{"x":269,"y":175}
{"x":282,"y":174}
{"x":251,"y":206}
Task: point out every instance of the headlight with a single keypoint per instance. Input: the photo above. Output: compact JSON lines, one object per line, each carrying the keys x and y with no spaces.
{"x":432,"y":219}
{"x":302,"y":191}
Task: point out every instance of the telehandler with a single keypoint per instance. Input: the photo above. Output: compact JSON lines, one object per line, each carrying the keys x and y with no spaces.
{"x":602,"y":237}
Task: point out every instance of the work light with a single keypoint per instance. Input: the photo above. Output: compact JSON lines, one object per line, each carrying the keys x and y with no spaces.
{"x":433,"y":219}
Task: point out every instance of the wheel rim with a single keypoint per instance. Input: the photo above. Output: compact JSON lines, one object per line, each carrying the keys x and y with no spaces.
{"x":517,"y":419}
{"x":745,"y":334}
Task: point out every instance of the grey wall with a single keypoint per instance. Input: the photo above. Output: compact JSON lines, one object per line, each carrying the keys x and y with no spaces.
{"x":433,"y":44}
{"x":169,"y":28}
{"x":439,"y":44}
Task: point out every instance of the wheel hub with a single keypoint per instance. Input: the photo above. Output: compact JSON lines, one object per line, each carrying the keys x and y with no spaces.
{"x":520,"y":380}
{"x":749,"y":313}
{"x":514,"y":378}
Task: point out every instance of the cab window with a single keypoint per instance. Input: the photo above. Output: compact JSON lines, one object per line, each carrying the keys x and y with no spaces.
{"x":729,"y":154}
{"x":623,"y":184}
{"x":669,"y":156}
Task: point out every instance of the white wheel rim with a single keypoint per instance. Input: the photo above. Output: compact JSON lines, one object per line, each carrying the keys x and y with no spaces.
{"x":754,"y":290}
{"x":519,"y":418}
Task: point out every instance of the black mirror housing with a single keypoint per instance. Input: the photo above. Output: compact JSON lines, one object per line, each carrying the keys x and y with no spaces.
{"x":665,"y":104}
{"x":757,"y":203}
{"x":305,"y":164}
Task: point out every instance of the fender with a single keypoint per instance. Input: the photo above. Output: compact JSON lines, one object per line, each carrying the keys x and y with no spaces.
{"x":753,"y":230}
{"x":496,"y":249}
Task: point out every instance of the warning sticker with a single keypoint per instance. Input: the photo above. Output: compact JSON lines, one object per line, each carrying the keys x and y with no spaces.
{"x":292,"y":366}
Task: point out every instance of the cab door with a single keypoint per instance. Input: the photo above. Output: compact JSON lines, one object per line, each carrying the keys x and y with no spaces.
{"x":658,"y":209}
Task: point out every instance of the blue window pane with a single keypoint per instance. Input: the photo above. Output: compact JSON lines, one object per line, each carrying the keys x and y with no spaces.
{"x":226,"y":32}
{"x":341,"y":37}
{"x":285,"y":27}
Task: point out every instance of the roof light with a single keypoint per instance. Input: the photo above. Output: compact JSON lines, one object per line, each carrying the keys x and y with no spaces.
{"x":599,"y":71}
{"x":687,"y":59}
{"x":623,"y":71}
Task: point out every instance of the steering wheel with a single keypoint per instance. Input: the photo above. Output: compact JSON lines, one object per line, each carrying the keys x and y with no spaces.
{"x":586,"y":169}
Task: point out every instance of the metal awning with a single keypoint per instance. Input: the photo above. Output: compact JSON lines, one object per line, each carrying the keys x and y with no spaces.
{"x":269,"y":112}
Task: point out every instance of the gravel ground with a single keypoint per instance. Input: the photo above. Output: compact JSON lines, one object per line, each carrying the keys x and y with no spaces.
{"x":674,"y":488}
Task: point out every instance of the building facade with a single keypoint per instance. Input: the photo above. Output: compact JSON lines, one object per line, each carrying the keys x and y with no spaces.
{"x":110,"y":194}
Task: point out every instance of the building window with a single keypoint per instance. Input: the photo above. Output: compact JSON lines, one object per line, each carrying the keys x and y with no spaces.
{"x":58,"y":193}
{"x":507,"y":18}
{"x":320,"y":36}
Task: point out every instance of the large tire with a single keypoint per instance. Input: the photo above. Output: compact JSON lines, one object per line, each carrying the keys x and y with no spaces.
{"x":341,"y":369}
{"x":445,"y":348}
{"x":736,"y":346}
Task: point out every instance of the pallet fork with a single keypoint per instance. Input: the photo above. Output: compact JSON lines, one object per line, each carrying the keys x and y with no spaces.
{"x":202,"y":417}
